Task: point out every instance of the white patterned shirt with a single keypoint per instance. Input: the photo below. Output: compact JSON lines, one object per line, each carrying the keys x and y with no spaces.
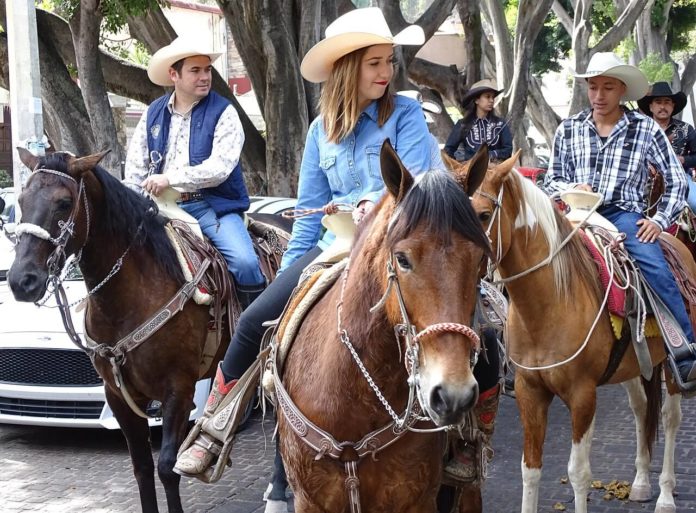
{"x":617,"y":168}
{"x":228,"y":140}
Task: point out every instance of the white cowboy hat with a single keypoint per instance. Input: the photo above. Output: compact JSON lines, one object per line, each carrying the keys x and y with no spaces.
{"x":426,"y":105}
{"x":180,"y":48}
{"x":356,"y":29}
{"x":608,"y":64}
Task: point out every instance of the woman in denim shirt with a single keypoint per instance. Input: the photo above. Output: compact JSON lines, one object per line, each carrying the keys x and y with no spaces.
{"x":340,"y":163}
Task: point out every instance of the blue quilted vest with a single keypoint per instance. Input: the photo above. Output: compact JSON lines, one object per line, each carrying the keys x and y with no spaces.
{"x":231,"y":195}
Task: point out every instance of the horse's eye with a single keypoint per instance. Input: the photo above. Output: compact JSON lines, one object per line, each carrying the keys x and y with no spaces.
{"x":65,"y":204}
{"x":403,"y":262}
{"x":484,"y":217}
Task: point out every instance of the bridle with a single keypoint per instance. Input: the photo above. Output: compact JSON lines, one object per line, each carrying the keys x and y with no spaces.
{"x":56,"y":260}
{"x":404,"y":331}
{"x":57,"y":257}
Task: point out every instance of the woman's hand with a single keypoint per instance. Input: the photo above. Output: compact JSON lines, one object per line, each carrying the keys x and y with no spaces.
{"x":361,"y":210}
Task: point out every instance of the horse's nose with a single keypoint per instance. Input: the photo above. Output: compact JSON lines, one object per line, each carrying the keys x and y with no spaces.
{"x":26,"y":286}
{"x":452,"y":402}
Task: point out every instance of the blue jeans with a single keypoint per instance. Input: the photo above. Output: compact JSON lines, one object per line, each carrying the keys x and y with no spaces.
{"x":691,"y":200}
{"x":651,"y":262}
{"x":229,"y":235}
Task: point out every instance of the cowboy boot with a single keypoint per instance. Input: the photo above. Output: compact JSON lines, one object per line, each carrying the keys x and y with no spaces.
{"x":198,"y":457}
{"x":469,"y":458}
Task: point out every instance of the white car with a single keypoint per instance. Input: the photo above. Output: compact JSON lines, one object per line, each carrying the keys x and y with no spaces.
{"x":45,"y":380}
{"x":270,"y":205}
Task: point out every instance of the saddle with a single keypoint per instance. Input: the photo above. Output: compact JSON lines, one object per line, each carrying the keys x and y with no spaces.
{"x":216,"y":288}
{"x":602,"y":238}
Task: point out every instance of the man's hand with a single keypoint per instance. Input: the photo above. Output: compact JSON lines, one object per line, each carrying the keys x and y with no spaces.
{"x":583,"y":187}
{"x":155,"y":184}
{"x":649,"y":230}
{"x":681,"y":159}
{"x":361,"y":210}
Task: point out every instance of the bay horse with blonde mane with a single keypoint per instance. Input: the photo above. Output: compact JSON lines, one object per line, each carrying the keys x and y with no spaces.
{"x":413,"y":273}
{"x":557,"y":354}
{"x":73,"y":206}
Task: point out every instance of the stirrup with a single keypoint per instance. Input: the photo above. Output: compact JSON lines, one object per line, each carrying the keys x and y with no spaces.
{"x":222,"y":425}
{"x":688,"y":389}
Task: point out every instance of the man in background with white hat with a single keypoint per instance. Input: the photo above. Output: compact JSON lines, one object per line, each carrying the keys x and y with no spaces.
{"x":607,"y":149}
{"x":192,"y":139}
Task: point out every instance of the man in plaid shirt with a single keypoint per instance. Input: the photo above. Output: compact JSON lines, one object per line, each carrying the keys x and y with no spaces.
{"x":606,"y":149}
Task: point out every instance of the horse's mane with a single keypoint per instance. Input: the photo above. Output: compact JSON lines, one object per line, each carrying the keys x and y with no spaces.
{"x":572,"y":264}
{"x":437,"y":200}
{"x":124,"y":210}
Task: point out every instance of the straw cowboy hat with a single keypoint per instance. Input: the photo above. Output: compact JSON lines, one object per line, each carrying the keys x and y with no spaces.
{"x":180,"y":48}
{"x":480,"y":87}
{"x":608,"y":64}
{"x":356,"y":29}
{"x":662,"y":90}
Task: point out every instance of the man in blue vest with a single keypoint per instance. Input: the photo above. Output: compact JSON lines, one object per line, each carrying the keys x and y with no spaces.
{"x":192,"y":140}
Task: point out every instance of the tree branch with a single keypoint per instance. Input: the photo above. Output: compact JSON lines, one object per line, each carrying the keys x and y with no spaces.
{"x":563,"y":17}
{"x":623,"y":26}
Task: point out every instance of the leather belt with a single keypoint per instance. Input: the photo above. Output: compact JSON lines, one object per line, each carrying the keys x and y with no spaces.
{"x":190,"y":196}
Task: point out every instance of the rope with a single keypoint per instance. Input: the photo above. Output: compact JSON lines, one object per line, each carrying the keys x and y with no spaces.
{"x":328,"y":209}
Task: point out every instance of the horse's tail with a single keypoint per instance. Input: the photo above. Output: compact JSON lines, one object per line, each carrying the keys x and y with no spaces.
{"x":653,"y":393}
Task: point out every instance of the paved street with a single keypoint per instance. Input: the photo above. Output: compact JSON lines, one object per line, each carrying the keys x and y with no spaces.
{"x":62,"y":470}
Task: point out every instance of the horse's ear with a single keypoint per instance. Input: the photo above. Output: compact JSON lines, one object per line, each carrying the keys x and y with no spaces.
{"x":396,"y":177}
{"x":478,"y":165}
{"x":79,"y":166}
{"x":28,"y":158}
{"x":506,"y":166}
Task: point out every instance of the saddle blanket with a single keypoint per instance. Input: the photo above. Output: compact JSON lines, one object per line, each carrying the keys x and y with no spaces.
{"x":617,"y":296}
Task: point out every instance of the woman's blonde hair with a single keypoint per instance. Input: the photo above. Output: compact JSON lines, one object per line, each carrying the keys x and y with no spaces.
{"x":338,"y":103}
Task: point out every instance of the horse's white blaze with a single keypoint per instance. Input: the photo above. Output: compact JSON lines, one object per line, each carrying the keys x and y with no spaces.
{"x":640,"y":489}
{"x":671,"y":419}
{"x":579,"y":471}
{"x":531,"y":477}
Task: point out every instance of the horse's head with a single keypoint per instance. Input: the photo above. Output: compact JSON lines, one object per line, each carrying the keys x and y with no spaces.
{"x":485,"y":187}
{"x":54,"y":220}
{"x":433,"y":248}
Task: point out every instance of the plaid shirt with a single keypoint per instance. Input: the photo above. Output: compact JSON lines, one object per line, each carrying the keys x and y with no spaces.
{"x":618,"y":167}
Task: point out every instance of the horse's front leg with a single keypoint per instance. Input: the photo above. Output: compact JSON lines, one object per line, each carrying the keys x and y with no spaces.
{"x":175,"y":414}
{"x":671,"y":419}
{"x":641,"y":490}
{"x":137,"y":433}
{"x":582,"y":405}
{"x":533,"y":402}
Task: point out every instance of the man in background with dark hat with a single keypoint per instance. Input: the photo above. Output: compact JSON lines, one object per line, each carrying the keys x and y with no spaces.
{"x":662,"y":105}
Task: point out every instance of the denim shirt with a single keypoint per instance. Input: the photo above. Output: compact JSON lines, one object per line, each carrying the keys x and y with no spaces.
{"x":349,"y":171}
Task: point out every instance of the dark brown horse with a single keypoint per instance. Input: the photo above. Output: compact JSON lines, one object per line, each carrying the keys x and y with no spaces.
{"x":72,"y":206}
{"x":417,"y":256}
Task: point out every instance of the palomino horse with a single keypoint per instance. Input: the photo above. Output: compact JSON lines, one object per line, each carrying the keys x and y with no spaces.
{"x":558,"y":354}
{"x":412,"y":272}
{"x":72,"y":206}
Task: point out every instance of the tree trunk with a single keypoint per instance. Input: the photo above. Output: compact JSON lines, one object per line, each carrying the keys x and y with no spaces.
{"x":65,"y":117}
{"x":85,"y":28}
{"x":504,"y":56}
{"x":530,"y":18}
{"x":470,"y":16}
{"x":542,"y":115}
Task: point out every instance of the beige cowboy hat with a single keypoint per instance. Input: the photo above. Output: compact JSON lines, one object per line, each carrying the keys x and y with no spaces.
{"x":356,"y":29}
{"x":608,"y":64}
{"x":480,"y":87}
{"x":426,"y":105}
{"x":180,"y":48}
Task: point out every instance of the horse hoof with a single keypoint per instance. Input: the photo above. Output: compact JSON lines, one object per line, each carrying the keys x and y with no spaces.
{"x":276,"y":507}
{"x":665,"y":508}
{"x":640,"y":493}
